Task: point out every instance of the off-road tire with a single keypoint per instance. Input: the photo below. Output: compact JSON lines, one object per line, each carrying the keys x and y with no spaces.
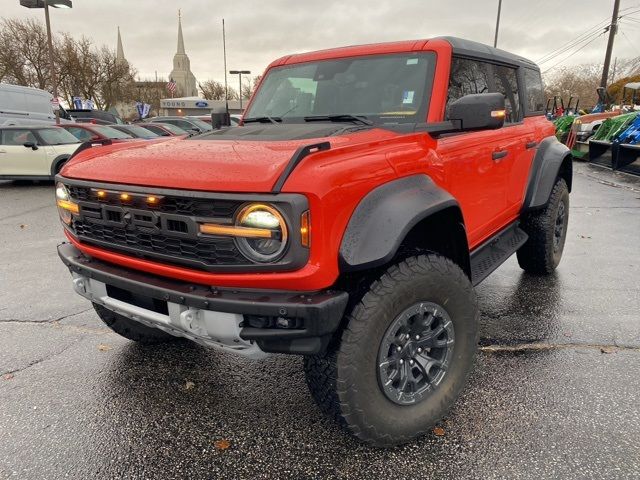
{"x":131,"y":329}
{"x":538,"y":255}
{"x":344,"y":382}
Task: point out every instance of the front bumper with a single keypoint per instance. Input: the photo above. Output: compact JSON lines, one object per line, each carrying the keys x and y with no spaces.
{"x":247,"y":322}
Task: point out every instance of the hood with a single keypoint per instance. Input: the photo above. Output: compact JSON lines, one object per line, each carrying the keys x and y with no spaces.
{"x":239,"y":159}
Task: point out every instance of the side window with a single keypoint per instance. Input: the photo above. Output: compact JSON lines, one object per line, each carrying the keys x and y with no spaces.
{"x":467,"y":77}
{"x":534,"y":89}
{"x":506,"y":82}
{"x":81,"y":134}
{"x":17,"y":137}
{"x":470,"y":76}
{"x":183,"y":124}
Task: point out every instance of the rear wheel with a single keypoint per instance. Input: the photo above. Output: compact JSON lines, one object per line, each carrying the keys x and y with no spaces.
{"x":547,"y":230}
{"x":131,"y":329}
{"x":404,"y":356}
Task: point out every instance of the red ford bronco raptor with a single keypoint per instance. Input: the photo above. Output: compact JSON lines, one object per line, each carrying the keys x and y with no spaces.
{"x":348,"y":220}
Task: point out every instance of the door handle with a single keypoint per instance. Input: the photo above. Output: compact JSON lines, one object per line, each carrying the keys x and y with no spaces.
{"x":533,"y":144}
{"x":499,"y":154}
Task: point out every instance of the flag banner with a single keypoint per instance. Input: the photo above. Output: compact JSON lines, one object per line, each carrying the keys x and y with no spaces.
{"x":77,"y":103}
{"x":146,"y":108}
{"x":139,"y":109}
{"x":89,"y":105}
{"x":171,"y":86}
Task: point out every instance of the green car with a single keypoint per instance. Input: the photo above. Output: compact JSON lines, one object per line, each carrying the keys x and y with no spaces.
{"x":601,"y":141}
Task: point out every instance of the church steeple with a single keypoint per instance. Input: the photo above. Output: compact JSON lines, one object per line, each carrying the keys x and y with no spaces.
{"x":120,"y":51}
{"x":180,"y":39}
{"x":181,"y":73}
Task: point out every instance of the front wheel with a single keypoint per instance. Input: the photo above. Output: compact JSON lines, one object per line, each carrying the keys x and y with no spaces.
{"x":405,"y":354}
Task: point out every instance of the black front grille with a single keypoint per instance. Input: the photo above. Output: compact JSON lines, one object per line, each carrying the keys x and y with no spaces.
{"x":166,"y":230}
{"x":209,"y":252}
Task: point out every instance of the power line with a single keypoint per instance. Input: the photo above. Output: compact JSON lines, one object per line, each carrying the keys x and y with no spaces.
{"x":583,"y":38}
{"x":571,"y":43}
{"x":574,"y":52}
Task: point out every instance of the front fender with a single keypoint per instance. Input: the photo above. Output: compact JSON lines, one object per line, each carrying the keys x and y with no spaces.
{"x":385,"y":216}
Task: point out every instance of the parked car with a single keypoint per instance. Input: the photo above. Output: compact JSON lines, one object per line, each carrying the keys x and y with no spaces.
{"x":136,"y":131}
{"x":26,"y":106}
{"x":234,"y":118}
{"x":348,"y":221}
{"x":190,"y":124}
{"x":34,"y":152}
{"x":88,"y":132}
{"x":99,"y":117}
{"x":164,"y":129}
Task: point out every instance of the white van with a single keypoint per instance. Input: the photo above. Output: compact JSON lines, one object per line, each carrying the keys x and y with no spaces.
{"x":25,"y":105}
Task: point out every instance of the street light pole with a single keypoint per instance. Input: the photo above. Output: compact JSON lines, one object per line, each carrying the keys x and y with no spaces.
{"x":45,"y":4}
{"x":52,"y":67}
{"x":240,"y":73}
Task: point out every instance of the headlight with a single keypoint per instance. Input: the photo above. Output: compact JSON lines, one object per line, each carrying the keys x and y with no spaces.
{"x":262,"y":218}
{"x":65,"y":206}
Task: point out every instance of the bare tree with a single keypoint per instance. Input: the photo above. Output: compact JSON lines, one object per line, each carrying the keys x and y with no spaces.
{"x":250,"y":87}
{"x":24,"y":53}
{"x":214,"y":90}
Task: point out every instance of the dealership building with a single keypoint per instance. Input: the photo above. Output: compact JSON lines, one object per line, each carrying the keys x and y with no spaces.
{"x":195,"y":106}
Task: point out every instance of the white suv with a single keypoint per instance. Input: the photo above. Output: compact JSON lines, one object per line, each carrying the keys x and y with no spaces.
{"x":34,"y":153}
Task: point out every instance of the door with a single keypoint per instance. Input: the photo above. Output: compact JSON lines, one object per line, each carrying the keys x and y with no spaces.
{"x":18,"y":160}
{"x":479,"y":163}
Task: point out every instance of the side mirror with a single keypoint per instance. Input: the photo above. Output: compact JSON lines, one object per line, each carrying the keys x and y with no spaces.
{"x":31,"y":145}
{"x":478,"y":111}
{"x":195,"y":129}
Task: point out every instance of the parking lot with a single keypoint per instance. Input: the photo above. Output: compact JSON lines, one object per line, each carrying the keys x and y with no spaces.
{"x":554,"y":393}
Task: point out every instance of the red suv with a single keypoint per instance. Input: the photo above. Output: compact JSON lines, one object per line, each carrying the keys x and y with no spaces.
{"x":348,"y":220}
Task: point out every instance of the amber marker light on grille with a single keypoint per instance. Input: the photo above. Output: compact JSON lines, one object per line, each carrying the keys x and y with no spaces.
{"x":101,"y":194}
{"x":125,"y":197}
{"x":151,"y":200}
{"x":70,"y":206}
{"x":231,"y":231}
{"x":305,"y":229}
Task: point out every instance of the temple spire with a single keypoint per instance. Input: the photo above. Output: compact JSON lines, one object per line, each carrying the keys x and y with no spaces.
{"x":180,"y":39}
{"x":120,"y":51}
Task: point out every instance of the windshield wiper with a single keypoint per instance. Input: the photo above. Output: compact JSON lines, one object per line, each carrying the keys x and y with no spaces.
{"x":344,"y":117}
{"x":263,"y":119}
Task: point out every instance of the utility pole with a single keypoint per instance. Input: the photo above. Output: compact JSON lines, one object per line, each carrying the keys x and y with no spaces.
{"x":613,"y":28}
{"x":495,"y":40}
{"x":52,"y":64}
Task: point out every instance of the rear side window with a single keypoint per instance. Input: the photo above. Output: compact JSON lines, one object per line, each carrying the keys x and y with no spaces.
{"x":17,"y":137}
{"x":81,"y":133}
{"x":535,"y":90}
{"x":470,"y":76}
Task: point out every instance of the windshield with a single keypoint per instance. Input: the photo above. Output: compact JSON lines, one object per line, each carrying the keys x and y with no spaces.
{"x":110,"y":132}
{"x":57,"y":136}
{"x":383,"y":88}
{"x":139,"y":131}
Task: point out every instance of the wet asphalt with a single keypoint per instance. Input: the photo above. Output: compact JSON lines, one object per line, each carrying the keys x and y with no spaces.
{"x":554,"y":393}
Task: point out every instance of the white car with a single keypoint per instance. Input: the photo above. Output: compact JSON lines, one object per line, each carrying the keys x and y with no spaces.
{"x":34,"y":153}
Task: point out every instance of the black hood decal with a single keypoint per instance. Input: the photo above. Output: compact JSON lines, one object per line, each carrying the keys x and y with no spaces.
{"x":280,"y":132}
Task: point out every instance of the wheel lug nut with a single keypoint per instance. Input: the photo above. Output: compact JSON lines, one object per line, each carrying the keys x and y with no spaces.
{"x":419,"y":350}
{"x":401,"y":361}
{"x":411,"y":362}
{"x":417,"y":337}
{"x":398,"y":348}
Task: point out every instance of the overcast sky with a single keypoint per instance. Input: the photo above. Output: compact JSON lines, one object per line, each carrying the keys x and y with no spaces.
{"x":259,"y":31}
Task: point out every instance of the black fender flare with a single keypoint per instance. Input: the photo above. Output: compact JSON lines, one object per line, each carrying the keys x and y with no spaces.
{"x":385,"y":216}
{"x":60,"y":159}
{"x":548,"y":161}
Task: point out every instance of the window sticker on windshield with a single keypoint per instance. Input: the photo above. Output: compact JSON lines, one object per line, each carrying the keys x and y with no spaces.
{"x":407,"y":96}
{"x":412,"y":61}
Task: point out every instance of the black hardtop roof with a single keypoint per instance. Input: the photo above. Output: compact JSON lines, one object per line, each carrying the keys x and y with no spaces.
{"x":470,"y":48}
